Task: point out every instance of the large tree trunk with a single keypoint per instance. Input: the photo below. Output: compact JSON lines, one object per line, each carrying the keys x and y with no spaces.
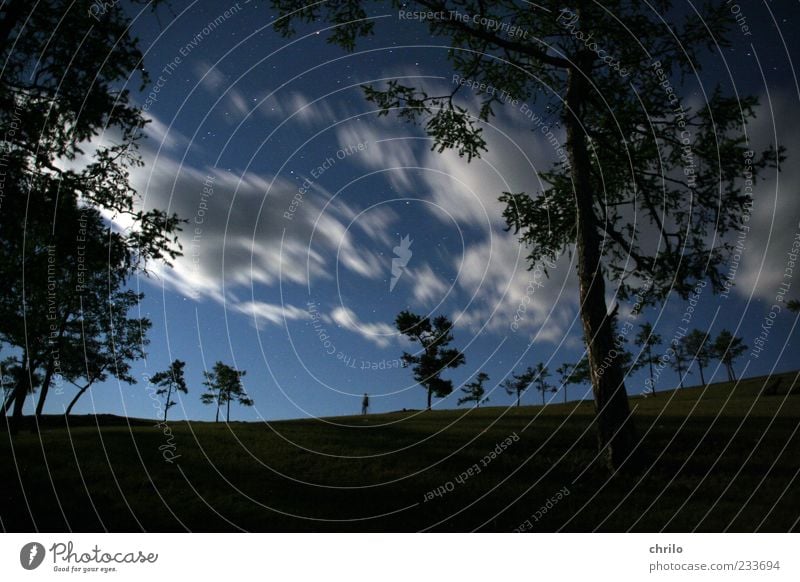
{"x":702,"y":377}
{"x":51,"y":365}
{"x":19,"y":402}
{"x":19,"y":394}
{"x":429,"y":398}
{"x":48,"y":378}
{"x":9,"y":399}
{"x":616,"y":436}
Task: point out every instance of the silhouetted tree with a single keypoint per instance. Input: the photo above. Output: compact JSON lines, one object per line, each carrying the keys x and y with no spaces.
{"x":224,"y":384}
{"x":647,"y":339}
{"x":679,"y":361}
{"x":11,"y":376}
{"x":726,"y":349}
{"x":793,"y":305}
{"x":474,"y":391}
{"x":565,"y":377}
{"x":540,"y":375}
{"x":435,"y":357}
{"x":107,"y":344}
{"x":169,"y":381}
{"x":697,"y":348}
{"x":625,"y":166}
{"x":53,"y":101}
{"x":517,"y":384}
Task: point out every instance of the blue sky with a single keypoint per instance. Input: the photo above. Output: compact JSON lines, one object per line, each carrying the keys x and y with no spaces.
{"x":288,"y":254}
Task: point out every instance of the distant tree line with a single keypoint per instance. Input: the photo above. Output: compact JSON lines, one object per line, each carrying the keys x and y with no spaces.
{"x":435,"y":356}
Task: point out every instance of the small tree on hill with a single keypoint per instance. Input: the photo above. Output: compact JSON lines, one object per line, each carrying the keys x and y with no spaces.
{"x":565,"y":377}
{"x":474,"y":391}
{"x":540,"y":380}
{"x":647,"y":339}
{"x":169,"y":381}
{"x":224,"y":385}
{"x":435,"y":357}
{"x":680,"y":361}
{"x":698,"y":350}
{"x":517,"y":384}
{"x":726,"y":349}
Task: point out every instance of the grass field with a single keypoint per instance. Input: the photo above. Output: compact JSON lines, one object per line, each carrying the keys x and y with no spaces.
{"x":720,"y":458}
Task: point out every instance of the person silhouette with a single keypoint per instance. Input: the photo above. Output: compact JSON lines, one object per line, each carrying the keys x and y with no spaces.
{"x":365,"y":403}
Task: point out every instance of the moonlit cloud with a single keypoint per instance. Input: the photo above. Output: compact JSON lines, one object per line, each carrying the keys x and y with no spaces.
{"x":379,"y":333}
{"x":775,"y":218}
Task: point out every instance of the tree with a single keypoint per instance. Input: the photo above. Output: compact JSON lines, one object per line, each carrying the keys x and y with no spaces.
{"x":519,"y":383}
{"x":680,"y":360}
{"x":727,"y":348}
{"x":108,"y":341}
{"x":169,"y":381}
{"x":647,"y":339}
{"x":51,"y":257}
{"x":435,"y":357}
{"x":11,"y":375}
{"x":697,"y":347}
{"x":634,"y":167}
{"x":224,"y":385}
{"x":540,"y":375}
{"x":474,"y":391}
{"x":565,"y":377}
{"x":793,"y":305}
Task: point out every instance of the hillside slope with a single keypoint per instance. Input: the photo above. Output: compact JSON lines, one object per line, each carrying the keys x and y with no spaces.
{"x":718,"y":458}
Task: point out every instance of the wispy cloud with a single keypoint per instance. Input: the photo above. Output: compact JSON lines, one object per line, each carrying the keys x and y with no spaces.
{"x":379,"y":333}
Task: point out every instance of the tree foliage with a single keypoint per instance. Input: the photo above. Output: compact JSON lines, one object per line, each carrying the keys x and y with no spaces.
{"x":224,"y":385}
{"x":434,"y":337}
{"x":699,"y":351}
{"x":540,"y":375}
{"x":517,"y":384}
{"x":170,"y":381}
{"x":727,"y":348}
{"x":70,"y":142}
{"x":474,"y":391}
{"x":647,"y":339}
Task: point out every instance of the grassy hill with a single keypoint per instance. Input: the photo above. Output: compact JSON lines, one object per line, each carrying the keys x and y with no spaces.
{"x":723,"y":457}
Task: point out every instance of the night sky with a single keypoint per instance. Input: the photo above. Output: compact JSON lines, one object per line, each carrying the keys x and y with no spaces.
{"x":297,"y":195}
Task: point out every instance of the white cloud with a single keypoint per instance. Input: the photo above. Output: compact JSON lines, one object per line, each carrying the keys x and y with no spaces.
{"x":272,"y":313}
{"x":238,"y":235}
{"x":389,"y":152}
{"x":428,"y":287}
{"x":500,"y":287}
{"x":380,"y":334}
{"x":776,"y":207}
{"x":210,"y":77}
